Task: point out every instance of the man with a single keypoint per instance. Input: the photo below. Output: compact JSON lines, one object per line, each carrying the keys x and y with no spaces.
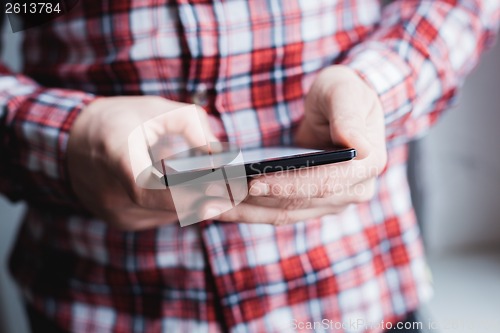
{"x":97,"y":253}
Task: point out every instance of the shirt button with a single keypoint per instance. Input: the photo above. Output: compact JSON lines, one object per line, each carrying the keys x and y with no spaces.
{"x":200,"y":96}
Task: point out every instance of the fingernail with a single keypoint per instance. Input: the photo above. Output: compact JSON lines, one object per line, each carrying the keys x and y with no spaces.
{"x":215,"y":190}
{"x":211,"y":212}
{"x":214,"y":146}
{"x":259,"y":189}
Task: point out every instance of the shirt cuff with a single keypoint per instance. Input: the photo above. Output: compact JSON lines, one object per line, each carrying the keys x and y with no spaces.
{"x":392,"y":78}
{"x":40,"y":123}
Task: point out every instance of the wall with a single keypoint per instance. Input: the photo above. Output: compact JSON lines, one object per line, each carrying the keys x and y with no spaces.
{"x":12,"y":319}
{"x":460,"y":166}
{"x":11,"y":314}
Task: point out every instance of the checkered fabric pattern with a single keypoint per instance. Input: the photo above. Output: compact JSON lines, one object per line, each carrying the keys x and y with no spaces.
{"x":256,"y":60}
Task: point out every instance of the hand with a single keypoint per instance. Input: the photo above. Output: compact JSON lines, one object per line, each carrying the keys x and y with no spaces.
{"x":105,"y":159}
{"x":340,"y":110}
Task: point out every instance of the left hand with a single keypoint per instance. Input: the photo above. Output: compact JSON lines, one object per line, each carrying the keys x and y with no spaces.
{"x":340,"y":110}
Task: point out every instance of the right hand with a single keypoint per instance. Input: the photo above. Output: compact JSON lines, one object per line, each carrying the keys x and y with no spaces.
{"x":99,"y":158}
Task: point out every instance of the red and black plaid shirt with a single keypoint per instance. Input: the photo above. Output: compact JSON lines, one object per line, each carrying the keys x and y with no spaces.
{"x":250,"y":63}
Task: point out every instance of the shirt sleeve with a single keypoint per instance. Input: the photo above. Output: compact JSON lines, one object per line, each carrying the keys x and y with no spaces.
{"x":419,"y":55}
{"x":34,"y":130}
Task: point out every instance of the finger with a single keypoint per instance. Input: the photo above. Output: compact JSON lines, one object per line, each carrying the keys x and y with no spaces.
{"x":291,"y":204}
{"x":148,"y":192}
{"x":315,"y":182}
{"x":358,"y":193}
{"x":247,"y":213}
{"x":136,"y":218}
{"x":341,"y":196}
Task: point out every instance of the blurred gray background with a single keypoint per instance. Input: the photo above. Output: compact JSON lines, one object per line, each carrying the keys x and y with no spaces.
{"x":456,"y":173}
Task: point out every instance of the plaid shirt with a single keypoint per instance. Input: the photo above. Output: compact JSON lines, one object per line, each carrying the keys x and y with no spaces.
{"x":250,"y":63}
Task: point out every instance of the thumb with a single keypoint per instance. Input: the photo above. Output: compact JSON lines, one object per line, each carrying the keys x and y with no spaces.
{"x":351,"y":132}
{"x":158,"y":137}
{"x":191,"y":122}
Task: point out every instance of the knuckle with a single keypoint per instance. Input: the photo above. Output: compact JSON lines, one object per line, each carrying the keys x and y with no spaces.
{"x":297,"y":203}
{"x":103,"y":147}
{"x":326,"y":186}
{"x":282,"y":218}
{"x":234,"y":214}
{"x":290,"y":192}
{"x":137,"y":196}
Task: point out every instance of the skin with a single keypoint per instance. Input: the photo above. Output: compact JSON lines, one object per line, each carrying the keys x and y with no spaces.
{"x":340,"y":109}
{"x":98,"y":146}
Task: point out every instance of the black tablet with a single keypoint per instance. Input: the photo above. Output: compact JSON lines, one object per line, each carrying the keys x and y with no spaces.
{"x":236,"y":163}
